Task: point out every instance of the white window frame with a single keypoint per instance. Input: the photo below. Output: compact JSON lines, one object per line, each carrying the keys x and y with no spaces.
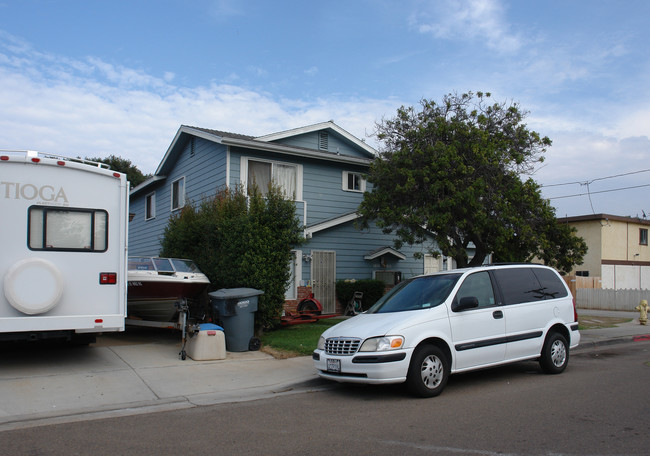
{"x":181,"y":194}
{"x":244,"y":173}
{"x":150,"y":206}
{"x":296,"y":273}
{"x":345,"y":178}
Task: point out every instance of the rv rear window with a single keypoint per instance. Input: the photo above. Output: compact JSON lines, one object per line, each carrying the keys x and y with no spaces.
{"x":67,"y":229}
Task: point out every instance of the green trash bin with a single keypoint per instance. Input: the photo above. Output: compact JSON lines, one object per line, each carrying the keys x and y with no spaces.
{"x":235,"y":308}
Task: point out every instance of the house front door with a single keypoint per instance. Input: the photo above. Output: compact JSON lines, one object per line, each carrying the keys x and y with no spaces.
{"x":323,"y":277}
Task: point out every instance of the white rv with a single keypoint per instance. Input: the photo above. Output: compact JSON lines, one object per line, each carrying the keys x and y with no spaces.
{"x":63,"y":235}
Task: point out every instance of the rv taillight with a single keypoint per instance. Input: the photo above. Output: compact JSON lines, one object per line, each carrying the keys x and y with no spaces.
{"x":116,"y":175}
{"x":99,"y":321}
{"x":107,"y":278}
{"x":36,"y":160}
{"x":4,"y":157}
{"x":60,"y":163}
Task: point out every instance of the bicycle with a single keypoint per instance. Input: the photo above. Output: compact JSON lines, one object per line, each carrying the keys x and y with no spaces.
{"x":354,"y":306}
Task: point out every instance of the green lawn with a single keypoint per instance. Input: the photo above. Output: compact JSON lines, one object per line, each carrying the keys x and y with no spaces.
{"x":301,"y":340}
{"x":597,"y":322}
{"x":296,"y":340}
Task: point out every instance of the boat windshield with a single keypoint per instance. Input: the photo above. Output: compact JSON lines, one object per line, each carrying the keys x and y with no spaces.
{"x":185,"y":266}
{"x":162,"y":265}
{"x":418,"y":293}
{"x":141,"y":264}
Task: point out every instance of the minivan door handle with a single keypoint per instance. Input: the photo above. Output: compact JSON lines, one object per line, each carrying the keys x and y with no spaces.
{"x":497,"y":314}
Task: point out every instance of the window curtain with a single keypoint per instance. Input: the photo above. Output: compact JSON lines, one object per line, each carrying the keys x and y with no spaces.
{"x":285,"y":177}
{"x":259,"y":173}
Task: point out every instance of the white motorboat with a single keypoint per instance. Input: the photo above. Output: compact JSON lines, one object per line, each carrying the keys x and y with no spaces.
{"x":156,"y":285}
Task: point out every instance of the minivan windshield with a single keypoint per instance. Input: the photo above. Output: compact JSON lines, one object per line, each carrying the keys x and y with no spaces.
{"x":418,"y":293}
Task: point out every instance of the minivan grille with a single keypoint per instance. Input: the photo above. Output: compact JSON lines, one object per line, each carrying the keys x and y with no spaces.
{"x":342,"y":346}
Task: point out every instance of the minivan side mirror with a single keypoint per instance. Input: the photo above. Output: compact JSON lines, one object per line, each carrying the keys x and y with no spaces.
{"x":468,"y":302}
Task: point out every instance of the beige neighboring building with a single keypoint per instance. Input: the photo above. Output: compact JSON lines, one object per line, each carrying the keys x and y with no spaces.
{"x":618,"y":250}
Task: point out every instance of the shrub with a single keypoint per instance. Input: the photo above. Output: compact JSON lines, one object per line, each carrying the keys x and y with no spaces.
{"x":240,"y":241}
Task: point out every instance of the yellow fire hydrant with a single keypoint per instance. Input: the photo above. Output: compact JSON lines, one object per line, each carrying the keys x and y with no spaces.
{"x":643,"y":309}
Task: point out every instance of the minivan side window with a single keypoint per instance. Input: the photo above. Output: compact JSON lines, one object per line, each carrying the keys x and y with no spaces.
{"x":552,"y":286}
{"x":479,"y":286}
{"x":518,"y":285}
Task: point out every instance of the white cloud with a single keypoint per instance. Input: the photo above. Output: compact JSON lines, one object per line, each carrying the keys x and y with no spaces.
{"x":609,"y":165}
{"x":92,"y":108}
{"x":225,"y":9}
{"x":470,"y":20}
{"x":311,"y":71}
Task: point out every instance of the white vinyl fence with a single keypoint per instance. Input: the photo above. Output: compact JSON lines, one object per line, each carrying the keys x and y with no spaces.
{"x":605,"y":299}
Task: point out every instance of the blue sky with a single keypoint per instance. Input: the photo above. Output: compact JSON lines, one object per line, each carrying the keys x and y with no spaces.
{"x":94,"y":78}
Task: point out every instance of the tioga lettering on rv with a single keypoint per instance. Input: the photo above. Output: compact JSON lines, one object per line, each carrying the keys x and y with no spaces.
{"x":16,"y":190}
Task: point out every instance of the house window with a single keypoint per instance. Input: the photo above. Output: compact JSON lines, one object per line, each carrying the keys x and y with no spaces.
{"x":353,"y":182}
{"x":178,"y":193}
{"x":67,"y":229}
{"x":286,"y":176}
{"x":643,"y":236}
{"x":389,"y":278}
{"x":150,"y":206}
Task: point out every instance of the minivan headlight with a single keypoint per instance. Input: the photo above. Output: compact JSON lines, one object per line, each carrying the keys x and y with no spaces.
{"x":321,"y":343}
{"x":385,"y":343}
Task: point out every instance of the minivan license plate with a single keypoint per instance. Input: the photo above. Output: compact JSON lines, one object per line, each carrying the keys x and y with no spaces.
{"x":333,"y":365}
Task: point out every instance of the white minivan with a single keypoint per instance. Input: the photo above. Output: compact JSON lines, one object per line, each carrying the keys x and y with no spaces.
{"x":431,"y":326}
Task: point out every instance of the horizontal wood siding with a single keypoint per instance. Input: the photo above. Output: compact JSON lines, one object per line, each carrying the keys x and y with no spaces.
{"x":323,"y":191}
{"x":322,"y":184}
{"x":204,"y":172}
{"x":351,"y":245}
{"x":141,"y":239}
{"x":335,"y":143}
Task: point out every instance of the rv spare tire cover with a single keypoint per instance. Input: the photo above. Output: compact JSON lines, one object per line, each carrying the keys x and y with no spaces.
{"x":33,"y":286}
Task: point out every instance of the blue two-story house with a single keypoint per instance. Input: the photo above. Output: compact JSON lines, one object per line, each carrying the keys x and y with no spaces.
{"x":322,"y":165}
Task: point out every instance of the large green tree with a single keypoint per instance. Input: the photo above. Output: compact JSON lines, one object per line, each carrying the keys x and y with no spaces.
{"x":123,"y":165}
{"x":451,"y":171}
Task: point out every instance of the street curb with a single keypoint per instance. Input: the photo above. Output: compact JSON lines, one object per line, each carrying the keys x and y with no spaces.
{"x":612,"y":341}
{"x":159,"y":405}
{"x":93,"y":413}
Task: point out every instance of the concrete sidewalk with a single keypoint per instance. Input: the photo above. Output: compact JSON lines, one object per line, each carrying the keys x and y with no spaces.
{"x":140,"y":372}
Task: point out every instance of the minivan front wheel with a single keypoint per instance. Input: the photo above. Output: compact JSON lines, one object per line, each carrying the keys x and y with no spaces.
{"x":555,"y":354}
{"x":428,"y":372}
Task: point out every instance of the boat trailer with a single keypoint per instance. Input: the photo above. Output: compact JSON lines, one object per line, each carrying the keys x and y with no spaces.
{"x":182,"y":324}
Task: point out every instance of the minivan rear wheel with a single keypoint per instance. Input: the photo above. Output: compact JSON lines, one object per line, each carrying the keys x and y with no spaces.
{"x":555,"y":354}
{"x":428,"y":372}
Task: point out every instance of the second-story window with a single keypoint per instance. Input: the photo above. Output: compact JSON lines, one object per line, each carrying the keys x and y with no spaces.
{"x":262,"y":173}
{"x":353,"y":182}
{"x":178,"y":193}
{"x":643,"y":236}
{"x":150,"y":206}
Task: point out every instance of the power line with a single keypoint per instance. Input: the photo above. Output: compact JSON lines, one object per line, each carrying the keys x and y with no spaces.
{"x":596,"y":179}
{"x":600,"y":191}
